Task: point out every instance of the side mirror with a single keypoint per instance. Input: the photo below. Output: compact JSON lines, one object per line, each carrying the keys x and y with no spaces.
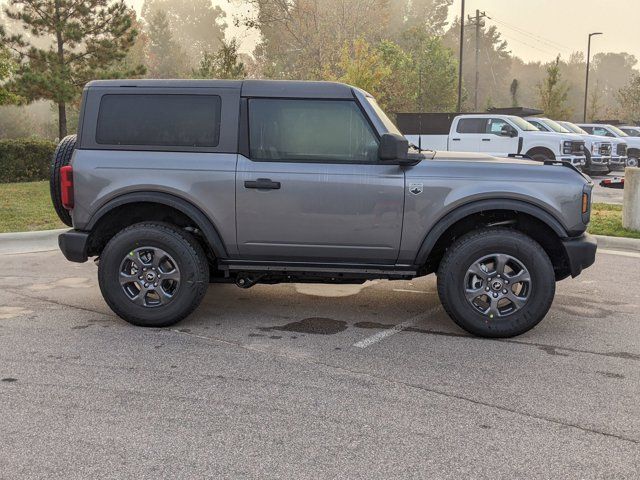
{"x":393,"y":147}
{"x":508,"y":131}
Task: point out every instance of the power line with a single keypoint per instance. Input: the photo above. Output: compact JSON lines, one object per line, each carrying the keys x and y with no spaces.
{"x":522,"y":31}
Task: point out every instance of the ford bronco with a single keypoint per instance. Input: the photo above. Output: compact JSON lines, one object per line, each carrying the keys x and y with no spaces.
{"x":175,"y":184}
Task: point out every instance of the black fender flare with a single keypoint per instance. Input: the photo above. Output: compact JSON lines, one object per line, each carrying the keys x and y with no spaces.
{"x":190,"y":210}
{"x":482,"y":206}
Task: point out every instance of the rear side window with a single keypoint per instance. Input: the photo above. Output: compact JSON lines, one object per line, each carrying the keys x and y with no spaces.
{"x":472,"y":125}
{"x":159,"y":120}
{"x":310,"y":130}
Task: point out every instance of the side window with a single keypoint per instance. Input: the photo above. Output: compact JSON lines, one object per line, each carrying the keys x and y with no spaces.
{"x":538,"y":125}
{"x":310,"y":130}
{"x":494,"y":125}
{"x":471,"y":125}
{"x":159,"y":120}
{"x":602,"y":131}
{"x":588,"y":129}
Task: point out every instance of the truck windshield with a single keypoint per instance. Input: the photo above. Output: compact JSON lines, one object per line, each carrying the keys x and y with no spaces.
{"x":555,"y":126}
{"x":574,"y":128}
{"x":523,"y":124}
{"x":388,"y":124}
{"x":617,"y":131}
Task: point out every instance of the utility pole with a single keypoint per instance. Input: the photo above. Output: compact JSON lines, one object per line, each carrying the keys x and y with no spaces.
{"x":586,"y":87}
{"x":478,"y":22}
{"x":460,"y":60}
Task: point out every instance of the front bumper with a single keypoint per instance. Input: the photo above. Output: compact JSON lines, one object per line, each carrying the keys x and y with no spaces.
{"x":581,"y":252}
{"x":73,"y":245}
{"x":575,"y":160}
{"x":618,"y":162}
{"x":599,"y":164}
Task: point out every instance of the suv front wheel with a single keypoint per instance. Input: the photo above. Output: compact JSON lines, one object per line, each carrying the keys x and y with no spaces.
{"x":153,"y":274}
{"x":496,"y":283}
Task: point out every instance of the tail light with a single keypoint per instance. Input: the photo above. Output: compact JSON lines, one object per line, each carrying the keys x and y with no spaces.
{"x":66,"y":186}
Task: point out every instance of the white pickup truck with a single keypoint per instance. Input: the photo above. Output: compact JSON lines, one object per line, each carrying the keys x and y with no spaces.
{"x":632,"y":151}
{"x":501,"y":136}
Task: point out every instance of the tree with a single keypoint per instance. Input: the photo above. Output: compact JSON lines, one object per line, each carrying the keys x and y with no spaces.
{"x":87,"y":38}
{"x":513,"y":90}
{"x":197,"y":26}
{"x":629,"y":99}
{"x":362,"y":66}
{"x":225,"y":63}
{"x":553,"y":92}
{"x":428,"y":15}
{"x":165,"y":58}
{"x":7,"y":67}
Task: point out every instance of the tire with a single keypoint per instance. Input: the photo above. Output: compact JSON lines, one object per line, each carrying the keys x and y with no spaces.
{"x":61,"y":157}
{"x":632,"y":162}
{"x":540,"y":156}
{"x":141,"y":248}
{"x":454,"y":289}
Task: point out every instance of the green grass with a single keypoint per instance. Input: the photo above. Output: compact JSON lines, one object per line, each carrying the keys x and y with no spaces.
{"x":26,"y":207}
{"x":606,"y":219}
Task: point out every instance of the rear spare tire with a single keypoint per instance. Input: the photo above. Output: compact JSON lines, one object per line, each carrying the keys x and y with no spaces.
{"x":61,"y":157}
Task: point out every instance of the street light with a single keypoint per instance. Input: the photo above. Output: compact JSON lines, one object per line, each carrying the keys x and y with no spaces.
{"x":586,"y":87}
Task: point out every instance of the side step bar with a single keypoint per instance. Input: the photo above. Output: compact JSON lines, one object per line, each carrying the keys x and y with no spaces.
{"x":322,"y":268}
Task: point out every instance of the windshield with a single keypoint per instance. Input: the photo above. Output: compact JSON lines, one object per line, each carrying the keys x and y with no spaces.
{"x":523,"y":124}
{"x":389,"y":125}
{"x":555,"y":126}
{"x":574,"y":128}
{"x":632,"y":132}
{"x":617,"y":131}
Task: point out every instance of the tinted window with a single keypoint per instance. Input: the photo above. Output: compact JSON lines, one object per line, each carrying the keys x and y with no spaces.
{"x":311,"y":130}
{"x":538,"y":125}
{"x":588,"y":130}
{"x":632,"y":132}
{"x":159,"y":120}
{"x":472,"y":125}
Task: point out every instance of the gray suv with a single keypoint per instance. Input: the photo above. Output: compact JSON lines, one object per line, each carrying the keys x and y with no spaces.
{"x":175,"y":184}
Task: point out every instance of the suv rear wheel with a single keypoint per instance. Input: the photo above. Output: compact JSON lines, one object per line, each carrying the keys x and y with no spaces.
{"x":153,"y":274}
{"x":496,"y":283}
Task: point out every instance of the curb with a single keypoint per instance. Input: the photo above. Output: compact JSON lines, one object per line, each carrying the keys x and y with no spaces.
{"x":29,"y":242}
{"x":618,"y":243}
{"x":47,"y":240}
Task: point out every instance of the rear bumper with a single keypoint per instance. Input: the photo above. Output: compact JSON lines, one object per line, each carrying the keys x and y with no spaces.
{"x":581,"y":252}
{"x":73,"y":245}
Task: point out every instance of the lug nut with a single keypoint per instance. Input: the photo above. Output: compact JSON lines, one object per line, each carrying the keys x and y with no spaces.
{"x":155,"y":284}
{"x":487,"y":289}
{"x":146,"y":285}
{"x":504,"y":291}
{"x":495,"y":295}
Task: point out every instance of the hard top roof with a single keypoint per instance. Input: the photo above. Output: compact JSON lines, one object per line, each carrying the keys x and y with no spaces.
{"x":248,"y":88}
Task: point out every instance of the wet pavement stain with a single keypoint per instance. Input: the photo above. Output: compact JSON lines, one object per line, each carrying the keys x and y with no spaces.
{"x":275,"y":337}
{"x":552,"y":351}
{"x":80,"y":327}
{"x":313,"y":325}
{"x":9,"y":380}
{"x":610,"y":374}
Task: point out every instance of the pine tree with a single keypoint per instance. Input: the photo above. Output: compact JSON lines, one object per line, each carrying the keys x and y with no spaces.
{"x":553,"y":93}
{"x":87,"y":40}
{"x":225,"y":63}
{"x":165,"y":58}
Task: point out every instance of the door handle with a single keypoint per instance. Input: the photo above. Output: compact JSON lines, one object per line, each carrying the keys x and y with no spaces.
{"x":486,"y":139}
{"x":262,"y":184}
{"x":455,"y":139}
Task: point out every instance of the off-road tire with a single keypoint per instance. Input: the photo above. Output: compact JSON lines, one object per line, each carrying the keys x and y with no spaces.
{"x":464,"y":252}
{"x":189,"y":256}
{"x":61,"y":157}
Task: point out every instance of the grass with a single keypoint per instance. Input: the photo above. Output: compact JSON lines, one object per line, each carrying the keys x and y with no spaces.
{"x":27,"y":207}
{"x":606,"y":219}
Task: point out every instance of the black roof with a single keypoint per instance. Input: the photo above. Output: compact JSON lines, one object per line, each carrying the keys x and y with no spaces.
{"x":249,"y":88}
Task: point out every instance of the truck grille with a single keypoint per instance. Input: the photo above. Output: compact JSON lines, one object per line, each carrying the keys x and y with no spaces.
{"x":605,"y":149}
{"x":622,"y":149}
{"x":577,"y":148}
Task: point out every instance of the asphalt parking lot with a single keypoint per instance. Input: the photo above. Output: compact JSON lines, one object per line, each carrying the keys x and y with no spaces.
{"x":607,"y":195}
{"x":310,"y":381}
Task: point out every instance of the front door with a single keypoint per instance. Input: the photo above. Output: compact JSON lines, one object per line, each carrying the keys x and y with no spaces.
{"x":494,"y":143}
{"x":313,"y":189}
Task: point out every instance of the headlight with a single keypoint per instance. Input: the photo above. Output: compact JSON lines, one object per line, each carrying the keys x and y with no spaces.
{"x":595,"y":148}
{"x":566,"y":147}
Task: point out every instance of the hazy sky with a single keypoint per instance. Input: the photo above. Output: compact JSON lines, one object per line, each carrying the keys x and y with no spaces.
{"x":534,"y":29}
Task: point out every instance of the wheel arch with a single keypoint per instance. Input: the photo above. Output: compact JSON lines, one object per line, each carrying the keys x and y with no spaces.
{"x":545,"y":150}
{"x":528,"y":218}
{"x":108,"y":219}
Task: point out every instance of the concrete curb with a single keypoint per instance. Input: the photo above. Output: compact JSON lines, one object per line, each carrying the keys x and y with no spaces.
{"x":47,"y":240}
{"x":618,"y":243}
{"x":29,"y":242}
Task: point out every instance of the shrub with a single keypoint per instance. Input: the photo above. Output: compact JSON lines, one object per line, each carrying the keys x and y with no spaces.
{"x":25,"y":160}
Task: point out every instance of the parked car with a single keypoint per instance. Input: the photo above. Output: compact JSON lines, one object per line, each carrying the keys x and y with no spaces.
{"x":173,"y":184}
{"x":501,"y":136}
{"x":630,"y":148}
{"x":631,"y":130}
{"x":597,"y":149}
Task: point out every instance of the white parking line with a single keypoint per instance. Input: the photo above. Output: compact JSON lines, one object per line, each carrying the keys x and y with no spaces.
{"x":397,"y":328}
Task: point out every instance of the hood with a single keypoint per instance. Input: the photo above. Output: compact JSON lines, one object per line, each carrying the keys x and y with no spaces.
{"x":480,"y":157}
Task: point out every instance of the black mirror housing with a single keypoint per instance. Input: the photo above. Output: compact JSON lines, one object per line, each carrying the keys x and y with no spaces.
{"x":393,"y":147}
{"x":508,"y":131}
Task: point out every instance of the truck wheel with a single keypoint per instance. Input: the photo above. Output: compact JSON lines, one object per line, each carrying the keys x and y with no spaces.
{"x":632,"y":162}
{"x":153,"y":274}
{"x":61,"y":157}
{"x":496,"y":283}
